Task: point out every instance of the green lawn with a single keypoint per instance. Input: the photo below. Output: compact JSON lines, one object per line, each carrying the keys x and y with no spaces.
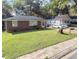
{"x":15,"y":45}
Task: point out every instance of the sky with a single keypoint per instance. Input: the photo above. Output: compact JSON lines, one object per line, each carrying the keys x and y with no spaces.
{"x":9,"y":1}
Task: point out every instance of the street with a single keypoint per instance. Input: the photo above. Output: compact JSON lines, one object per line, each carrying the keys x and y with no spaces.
{"x":72,"y":55}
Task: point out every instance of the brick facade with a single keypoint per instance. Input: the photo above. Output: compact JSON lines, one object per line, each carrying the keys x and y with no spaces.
{"x":22,"y":26}
{"x":8,"y":26}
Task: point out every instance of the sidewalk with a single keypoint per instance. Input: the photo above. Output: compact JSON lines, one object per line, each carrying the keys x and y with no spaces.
{"x":52,"y":52}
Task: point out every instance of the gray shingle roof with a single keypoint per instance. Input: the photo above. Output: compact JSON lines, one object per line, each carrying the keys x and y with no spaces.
{"x":23,"y":18}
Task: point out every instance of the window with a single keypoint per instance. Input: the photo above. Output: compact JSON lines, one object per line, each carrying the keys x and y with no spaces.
{"x":32,"y":23}
{"x":14,"y":23}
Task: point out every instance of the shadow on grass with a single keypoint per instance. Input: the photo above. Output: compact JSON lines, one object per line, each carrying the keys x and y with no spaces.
{"x":65,"y":34}
{"x":26,"y":31}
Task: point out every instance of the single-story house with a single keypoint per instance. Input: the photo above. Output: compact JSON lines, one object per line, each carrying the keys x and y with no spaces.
{"x":22,"y":23}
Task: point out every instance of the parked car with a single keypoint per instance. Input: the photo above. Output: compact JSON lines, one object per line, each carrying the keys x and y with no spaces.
{"x":60,"y":26}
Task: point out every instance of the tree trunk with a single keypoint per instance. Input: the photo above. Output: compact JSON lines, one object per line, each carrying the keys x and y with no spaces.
{"x":61,"y":30}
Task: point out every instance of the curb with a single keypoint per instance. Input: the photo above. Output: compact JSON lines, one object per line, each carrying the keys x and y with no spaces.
{"x":63,"y":53}
{"x":71,"y":55}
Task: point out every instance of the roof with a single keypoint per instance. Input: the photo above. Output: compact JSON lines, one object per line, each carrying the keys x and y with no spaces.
{"x":23,"y":18}
{"x":62,"y":17}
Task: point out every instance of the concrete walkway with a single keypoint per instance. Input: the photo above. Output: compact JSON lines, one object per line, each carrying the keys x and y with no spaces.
{"x":52,"y":52}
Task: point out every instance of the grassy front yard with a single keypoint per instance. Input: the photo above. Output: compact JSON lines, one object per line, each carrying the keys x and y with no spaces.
{"x":15,"y":45}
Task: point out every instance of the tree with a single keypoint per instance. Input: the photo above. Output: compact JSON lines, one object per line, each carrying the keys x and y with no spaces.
{"x":60,"y":7}
{"x":6,"y":8}
{"x":30,"y":7}
{"x":75,"y":1}
{"x":72,"y":7}
{"x":73,"y":10}
{"x":26,"y":6}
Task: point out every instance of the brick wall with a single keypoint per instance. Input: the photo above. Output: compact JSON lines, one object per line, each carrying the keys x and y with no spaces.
{"x":8,"y":26}
{"x":22,"y":26}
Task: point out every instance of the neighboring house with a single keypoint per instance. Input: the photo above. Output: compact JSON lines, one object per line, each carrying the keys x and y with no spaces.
{"x":62,"y":19}
{"x":23,"y":23}
{"x":59,"y":21}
